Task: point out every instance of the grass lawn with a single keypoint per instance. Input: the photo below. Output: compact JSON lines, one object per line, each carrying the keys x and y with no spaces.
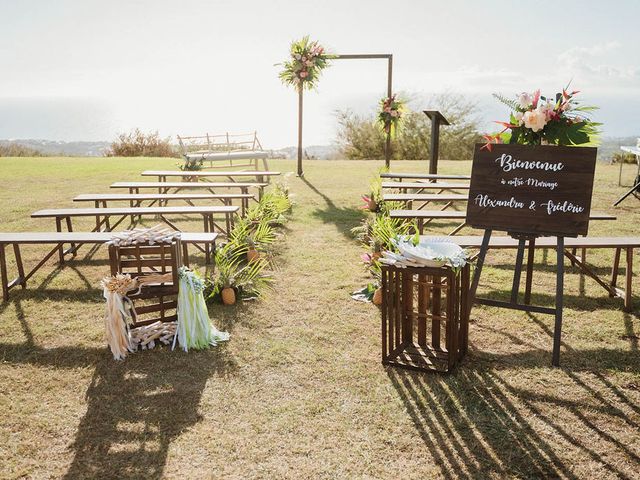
{"x":299,"y":391}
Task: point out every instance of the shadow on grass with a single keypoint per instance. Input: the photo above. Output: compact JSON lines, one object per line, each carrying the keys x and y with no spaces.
{"x":477,"y":425}
{"x":344,"y":218}
{"x":574,"y":302}
{"x":135,"y":408}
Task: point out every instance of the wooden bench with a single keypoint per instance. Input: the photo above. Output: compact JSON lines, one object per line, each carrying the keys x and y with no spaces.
{"x":194,"y":176}
{"x":58,"y":239}
{"x":136,"y":199}
{"x":423,"y":217}
{"x":571,"y":245}
{"x":175,"y":187}
{"x":102,"y":216}
{"x":425,"y":199}
{"x":419,"y":186}
{"x":423,"y":176}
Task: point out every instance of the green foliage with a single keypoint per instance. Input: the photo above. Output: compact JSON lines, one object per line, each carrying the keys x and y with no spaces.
{"x":256,"y":229}
{"x":390,"y":114}
{"x":190,"y":165}
{"x":139,"y":144}
{"x":360,"y":137}
{"x":234,"y":271}
{"x":384,"y":229}
{"x":623,"y":157}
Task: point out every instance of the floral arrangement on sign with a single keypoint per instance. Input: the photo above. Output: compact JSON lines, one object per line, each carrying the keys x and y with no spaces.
{"x":307,"y":61}
{"x":390,"y":115}
{"x":539,"y":120}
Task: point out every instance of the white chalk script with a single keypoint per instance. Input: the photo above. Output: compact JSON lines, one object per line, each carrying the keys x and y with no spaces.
{"x":508,"y":164}
{"x":486,"y":201}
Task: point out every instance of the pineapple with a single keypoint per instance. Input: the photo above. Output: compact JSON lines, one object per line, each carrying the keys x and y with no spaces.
{"x":252,"y":253}
{"x":228,"y":296}
{"x":377,"y":297}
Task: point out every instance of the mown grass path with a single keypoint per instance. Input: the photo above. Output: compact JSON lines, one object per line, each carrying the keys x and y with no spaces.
{"x":299,"y":391}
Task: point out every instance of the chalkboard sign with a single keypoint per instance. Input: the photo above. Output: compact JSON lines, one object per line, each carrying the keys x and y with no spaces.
{"x":537,"y":190}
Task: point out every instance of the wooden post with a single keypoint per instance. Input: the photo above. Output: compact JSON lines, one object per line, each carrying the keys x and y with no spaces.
{"x":387,"y":145}
{"x":300,"y":172}
{"x":436,"y":118}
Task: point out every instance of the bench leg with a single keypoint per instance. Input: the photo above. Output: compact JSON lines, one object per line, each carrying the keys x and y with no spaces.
{"x":3,"y":273}
{"x":18,"y":256}
{"x":185,"y":254}
{"x":61,"y":246}
{"x":628,"y":277}
{"x":614,"y":270}
{"x":70,"y":229}
{"x":207,"y":250}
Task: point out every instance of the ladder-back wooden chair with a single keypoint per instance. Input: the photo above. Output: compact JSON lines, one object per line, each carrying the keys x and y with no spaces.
{"x":155,"y":301}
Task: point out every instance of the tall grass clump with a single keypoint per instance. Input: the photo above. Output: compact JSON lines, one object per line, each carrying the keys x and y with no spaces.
{"x":139,"y":144}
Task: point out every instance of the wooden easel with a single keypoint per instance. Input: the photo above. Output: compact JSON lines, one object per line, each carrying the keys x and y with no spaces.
{"x":513,"y":303}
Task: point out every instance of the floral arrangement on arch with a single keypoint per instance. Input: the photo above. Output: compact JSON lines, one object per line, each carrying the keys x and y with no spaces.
{"x":307,"y":61}
{"x":539,"y":120}
{"x":390,"y":114}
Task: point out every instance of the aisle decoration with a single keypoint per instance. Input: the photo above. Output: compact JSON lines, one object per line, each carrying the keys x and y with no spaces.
{"x":390,"y":114}
{"x":539,"y":120}
{"x":194,"y":329}
{"x":305,"y":65}
{"x":414,"y":252}
{"x":242,"y":264}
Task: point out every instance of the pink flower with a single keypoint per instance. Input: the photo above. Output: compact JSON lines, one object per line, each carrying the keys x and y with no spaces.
{"x":304,"y":74}
{"x":535,"y":120}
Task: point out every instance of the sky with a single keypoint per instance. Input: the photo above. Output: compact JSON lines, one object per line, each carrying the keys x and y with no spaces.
{"x":87,"y":70}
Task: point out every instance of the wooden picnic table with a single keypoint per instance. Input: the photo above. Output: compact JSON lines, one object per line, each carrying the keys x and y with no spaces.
{"x":167,"y":187}
{"x":193,"y":176}
{"x":16,"y":239}
{"x":424,"y":176}
{"x":423,"y":217}
{"x":102,"y":215}
{"x":136,"y":199}
{"x":441,"y":186}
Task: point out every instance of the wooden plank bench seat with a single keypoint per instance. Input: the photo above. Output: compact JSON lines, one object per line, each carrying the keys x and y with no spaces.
{"x":175,"y":187}
{"x":58,"y":239}
{"x":628,"y":244}
{"x":63,"y":216}
{"x":136,"y":199}
{"x":424,"y":176}
{"x":423,"y":217}
{"x":419,"y":186}
{"x":193,"y":176}
{"x":425,"y":199}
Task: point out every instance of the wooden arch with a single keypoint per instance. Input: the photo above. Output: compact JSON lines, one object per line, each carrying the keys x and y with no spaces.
{"x":359,"y":56}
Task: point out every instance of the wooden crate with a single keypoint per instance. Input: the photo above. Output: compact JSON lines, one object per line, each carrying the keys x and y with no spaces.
{"x":425,"y":324}
{"x":155,"y":302}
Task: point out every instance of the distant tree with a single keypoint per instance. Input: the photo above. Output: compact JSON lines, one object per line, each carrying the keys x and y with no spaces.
{"x":139,"y":144}
{"x":17,"y":150}
{"x":361,"y":138}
